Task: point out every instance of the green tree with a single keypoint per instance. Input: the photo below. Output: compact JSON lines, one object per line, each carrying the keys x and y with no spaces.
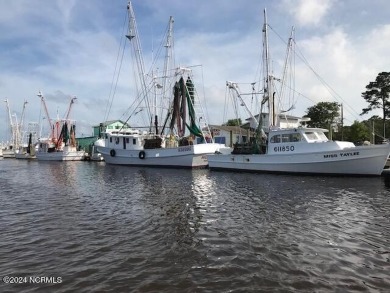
{"x":375,"y":125}
{"x":358,"y":132}
{"x":377,"y":95}
{"x":323,"y":115}
{"x":233,"y":122}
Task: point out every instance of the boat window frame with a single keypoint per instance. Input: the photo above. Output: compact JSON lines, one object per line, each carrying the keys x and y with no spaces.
{"x":274,"y":140}
{"x":311,"y":136}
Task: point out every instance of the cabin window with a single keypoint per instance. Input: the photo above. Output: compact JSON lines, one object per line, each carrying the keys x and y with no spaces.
{"x":285,"y":137}
{"x":127,"y":140}
{"x":311,"y":135}
{"x":275,"y":139}
{"x":220,"y":139}
{"x":134,"y":141}
{"x":116,"y":140}
{"x":110,"y":139}
{"x":322,"y":136}
{"x":295,"y":137}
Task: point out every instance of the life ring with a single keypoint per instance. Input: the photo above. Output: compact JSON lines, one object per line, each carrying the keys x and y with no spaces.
{"x":141,"y":155}
{"x":112,"y":153}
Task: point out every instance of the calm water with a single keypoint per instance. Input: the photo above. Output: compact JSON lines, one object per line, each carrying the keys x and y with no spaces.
{"x":101,"y":228}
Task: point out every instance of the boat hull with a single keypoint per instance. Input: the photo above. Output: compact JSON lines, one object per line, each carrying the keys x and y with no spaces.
{"x":8,"y":154}
{"x":60,"y":156}
{"x":364,"y":160}
{"x":191,"y":156}
{"x":24,"y":156}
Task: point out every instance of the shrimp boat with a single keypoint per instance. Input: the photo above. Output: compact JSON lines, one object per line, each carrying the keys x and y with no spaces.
{"x":182,"y":137}
{"x":61,"y":144}
{"x":297,"y":150}
{"x":27,"y":151}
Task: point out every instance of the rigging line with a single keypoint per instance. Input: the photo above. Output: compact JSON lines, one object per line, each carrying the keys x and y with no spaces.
{"x":111,"y":98}
{"x":279,"y":36}
{"x":259,"y":74}
{"x":150,"y":73}
{"x":141,"y":97}
{"x":224,"y":116}
{"x":301,"y":94}
{"x":116,"y":82}
{"x":206,"y":113}
{"x":159,"y":50}
{"x":327,"y":86}
{"x":235,"y":105}
{"x":143,"y":92}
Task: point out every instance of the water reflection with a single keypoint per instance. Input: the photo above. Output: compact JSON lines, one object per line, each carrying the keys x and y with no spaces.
{"x":112,"y":228}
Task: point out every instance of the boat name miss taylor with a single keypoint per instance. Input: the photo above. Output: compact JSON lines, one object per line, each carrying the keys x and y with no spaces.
{"x":350,"y":154}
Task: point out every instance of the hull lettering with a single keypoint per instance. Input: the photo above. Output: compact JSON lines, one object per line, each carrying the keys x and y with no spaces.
{"x":184,"y":149}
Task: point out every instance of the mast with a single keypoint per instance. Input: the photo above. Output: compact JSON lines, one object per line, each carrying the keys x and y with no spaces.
{"x":10,"y":122}
{"x":286,"y":63}
{"x":168,"y":57}
{"x":21,"y":124}
{"x":69,"y":126}
{"x":45,"y":108}
{"x":233,"y":86}
{"x":70,"y":107}
{"x":268,"y":91}
{"x":132,"y":36}
{"x":165,"y":102}
{"x":46,"y":113}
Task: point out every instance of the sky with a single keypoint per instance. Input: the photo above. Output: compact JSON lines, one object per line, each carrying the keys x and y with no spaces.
{"x":67,"y":48}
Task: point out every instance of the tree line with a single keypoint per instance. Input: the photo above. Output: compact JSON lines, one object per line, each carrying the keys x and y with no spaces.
{"x":328,"y":115}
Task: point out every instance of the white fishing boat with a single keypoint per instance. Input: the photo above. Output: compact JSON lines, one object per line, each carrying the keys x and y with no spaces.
{"x":50,"y":151}
{"x":8,"y":153}
{"x":12,"y":145}
{"x":299,"y":149}
{"x":137,"y":147}
{"x":29,"y":143}
{"x":307,"y":150}
{"x":177,"y":134}
{"x":26,"y":152}
{"x":61,"y":144}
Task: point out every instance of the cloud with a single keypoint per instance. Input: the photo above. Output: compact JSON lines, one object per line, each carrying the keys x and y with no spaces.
{"x":307,"y":13}
{"x":344,"y":66}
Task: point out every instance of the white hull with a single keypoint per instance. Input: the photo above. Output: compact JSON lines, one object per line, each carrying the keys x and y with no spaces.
{"x":8,"y":154}
{"x":95,"y":155}
{"x":191,"y":156}
{"x":24,"y":156}
{"x":60,"y":156}
{"x":361,"y":160}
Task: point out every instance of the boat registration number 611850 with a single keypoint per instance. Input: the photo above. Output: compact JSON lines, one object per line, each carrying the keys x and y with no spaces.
{"x":285,"y":148}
